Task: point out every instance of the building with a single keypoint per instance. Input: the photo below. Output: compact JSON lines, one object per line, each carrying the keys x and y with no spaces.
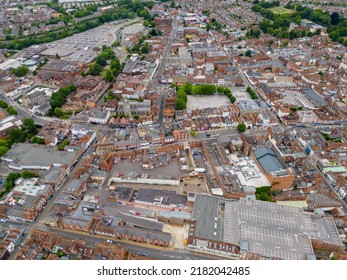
{"x":161,"y":199}
{"x":99,"y":116}
{"x":278,"y":175}
{"x":249,"y":227}
{"x":137,"y":108}
{"x":33,"y":156}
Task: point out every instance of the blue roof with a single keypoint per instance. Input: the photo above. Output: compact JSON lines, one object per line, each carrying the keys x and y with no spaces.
{"x":268,"y":159}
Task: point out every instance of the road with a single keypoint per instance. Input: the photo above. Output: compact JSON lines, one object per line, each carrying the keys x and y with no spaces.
{"x":39,"y":223}
{"x":155,"y":80}
{"x":162,"y":254}
{"x":23,"y":112}
{"x":171,"y":39}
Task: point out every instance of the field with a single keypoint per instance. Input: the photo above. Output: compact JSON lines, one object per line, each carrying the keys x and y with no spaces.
{"x":281,"y":11}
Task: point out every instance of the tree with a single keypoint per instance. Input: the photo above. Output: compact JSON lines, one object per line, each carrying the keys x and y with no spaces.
{"x":297,"y":19}
{"x":248,"y":53}
{"x":3,"y":150}
{"x":28,"y":174}
{"x":193,"y":133}
{"x":11,"y":111}
{"x":264,"y":25}
{"x":16,"y":136}
{"x":57,"y":56}
{"x":109,"y":75}
{"x":3,"y":143}
{"x":115,"y":66}
{"x":220,"y":89}
{"x":28,"y":126}
{"x":20,"y":71}
{"x":180,"y":104}
{"x":101,"y":60}
{"x":95,"y":69}
{"x":58,"y":112}
{"x":145,"y":48}
{"x":172,"y":5}
{"x":334,"y":18}
{"x":3,"y":104}
{"x":241,"y":127}
{"x":38,"y":140}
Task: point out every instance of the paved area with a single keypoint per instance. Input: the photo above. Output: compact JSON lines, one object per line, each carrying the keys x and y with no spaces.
{"x":171,"y":169}
{"x":200,"y":102}
{"x":179,"y":234}
{"x":133,"y":29}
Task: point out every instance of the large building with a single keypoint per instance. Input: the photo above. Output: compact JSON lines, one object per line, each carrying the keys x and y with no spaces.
{"x":248,"y":228}
{"x":32,"y":156}
{"x":278,"y":175}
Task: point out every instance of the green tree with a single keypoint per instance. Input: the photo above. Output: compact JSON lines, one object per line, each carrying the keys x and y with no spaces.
{"x":4,"y":143}
{"x":28,"y":126}
{"x":11,"y":110}
{"x":297,"y":19}
{"x":58,"y":112}
{"x":20,"y":71}
{"x":241,"y":127}
{"x":3,"y":150}
{"x":193,"y":133}
{"x":3,"y":104}
{"x":208,"y":26}
{"x":264,"y":25}
{"x":95,"y":69}
{"x":38,"y":140}
{"x":109,"y":75}
{"x":180,"y":104}
{"x":248,"y":53}
{"x":28,"y":174}
{"x":16,"y":136}
{"x":335,"y":18}
{"x":145,"y":49}
{"x":115,"y":66}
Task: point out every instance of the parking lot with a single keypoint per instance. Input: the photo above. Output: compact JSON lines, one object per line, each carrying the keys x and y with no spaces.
{"x":200,"y":102}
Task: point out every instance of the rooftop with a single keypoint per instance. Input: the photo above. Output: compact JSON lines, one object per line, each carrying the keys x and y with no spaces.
{"x":267,"y":229}
{"x":25,"y":155}
{"x":268,"y":160}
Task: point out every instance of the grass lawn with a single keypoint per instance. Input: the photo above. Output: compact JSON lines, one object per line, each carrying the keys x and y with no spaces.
{"x":281,"y":11}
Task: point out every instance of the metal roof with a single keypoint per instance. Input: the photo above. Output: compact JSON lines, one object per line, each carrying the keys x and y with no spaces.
{"x":268,"y":159}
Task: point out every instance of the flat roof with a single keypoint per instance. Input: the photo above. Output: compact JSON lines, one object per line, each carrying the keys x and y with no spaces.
{"x":270,"y":229}
{"x":29,"y":155}
{"x":166,"y":197}
{"x":209,"y":222}
{"x":294,"y":203}
{"x":139,"y":222}
{"x":265,"y":228}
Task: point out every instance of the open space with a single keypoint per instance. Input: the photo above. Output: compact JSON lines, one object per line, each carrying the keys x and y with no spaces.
{"x":212,"y":101}
{"x":281,"y":11}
